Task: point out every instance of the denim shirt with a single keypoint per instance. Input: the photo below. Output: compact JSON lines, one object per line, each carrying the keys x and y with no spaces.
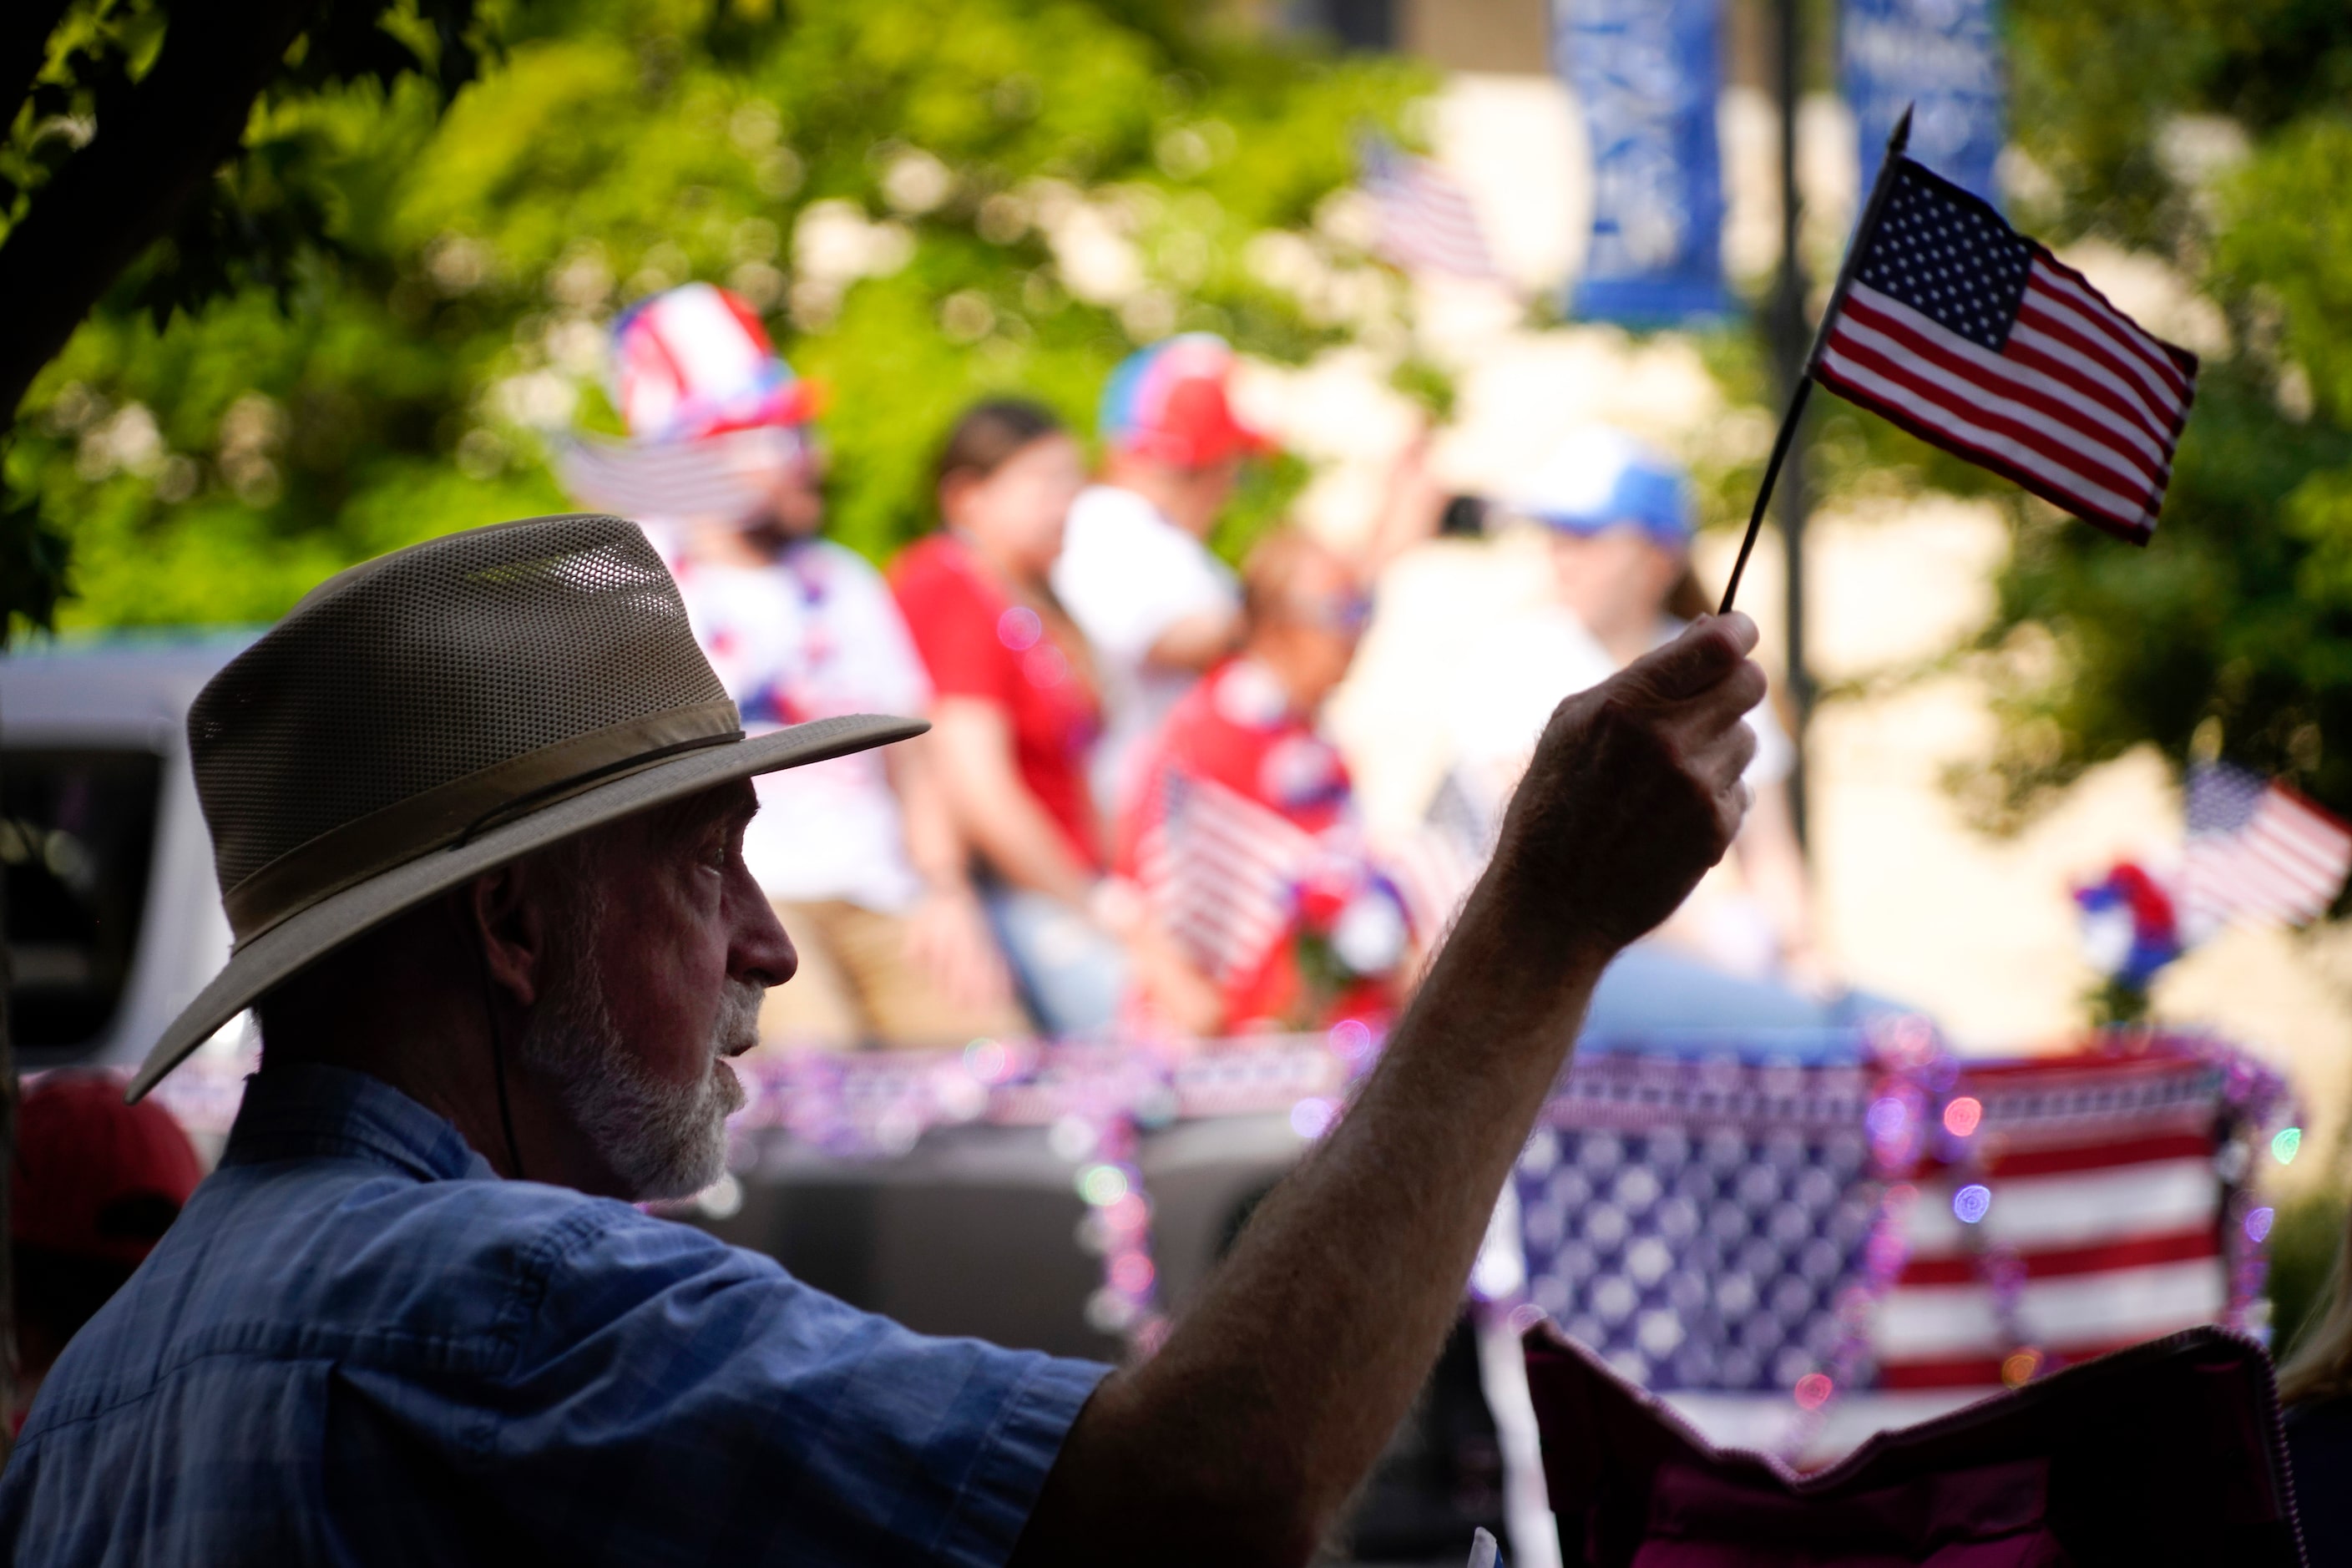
{"x":359,"y":1345}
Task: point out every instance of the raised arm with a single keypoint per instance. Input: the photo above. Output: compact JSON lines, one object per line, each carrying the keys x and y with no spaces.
{"x":998,"y":816}
{"x":1241,"y":1440}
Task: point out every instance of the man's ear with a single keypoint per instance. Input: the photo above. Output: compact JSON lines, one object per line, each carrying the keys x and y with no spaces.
{"x":503,"y":914}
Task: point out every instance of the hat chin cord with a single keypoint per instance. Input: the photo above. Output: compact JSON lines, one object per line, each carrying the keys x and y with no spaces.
{"x":499,"y":1061}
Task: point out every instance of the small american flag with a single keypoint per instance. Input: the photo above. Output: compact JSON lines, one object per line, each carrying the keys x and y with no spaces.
{"x":2257,"y":852}
{"x":1221,"y":872}
{"x":1973,"y":337}
{"x":1427,"y":223}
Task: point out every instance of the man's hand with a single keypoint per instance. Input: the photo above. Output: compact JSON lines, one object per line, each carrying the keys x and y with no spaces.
{"x":1633,"y":793}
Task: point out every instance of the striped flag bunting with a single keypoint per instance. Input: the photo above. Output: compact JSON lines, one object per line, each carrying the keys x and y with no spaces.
{"x":1978,"y":340}
{"x":1221,"y":872}
{"x":2080,"y":1211}
{"x":723,"y":477}
{"x":1426,"y":221}
{"x":2257,"y":852}
{"x":1797,"y":1255}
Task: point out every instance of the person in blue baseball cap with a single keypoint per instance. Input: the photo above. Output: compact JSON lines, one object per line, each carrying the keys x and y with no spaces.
{"x":1618,"y":518}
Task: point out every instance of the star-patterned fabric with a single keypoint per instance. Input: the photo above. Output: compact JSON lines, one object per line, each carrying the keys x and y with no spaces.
{"x":1948,"y":256}
{"x":1701,"y":1225}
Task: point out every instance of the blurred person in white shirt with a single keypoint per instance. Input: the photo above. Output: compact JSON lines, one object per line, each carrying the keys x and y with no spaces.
{"x":1136,"y":572}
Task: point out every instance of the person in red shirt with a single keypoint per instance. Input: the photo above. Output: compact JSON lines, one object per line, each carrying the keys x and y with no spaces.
{"x":1016,"y":713}
{"x":1241,"y":827}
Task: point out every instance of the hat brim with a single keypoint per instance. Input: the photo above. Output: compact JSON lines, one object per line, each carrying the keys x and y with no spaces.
{"x":284,"y":949}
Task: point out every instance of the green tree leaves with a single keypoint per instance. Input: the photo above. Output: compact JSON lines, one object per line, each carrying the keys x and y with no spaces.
{"x":2210,"y":134}
{"x":927,"y":202}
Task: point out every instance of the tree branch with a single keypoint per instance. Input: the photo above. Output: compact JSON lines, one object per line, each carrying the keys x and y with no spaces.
{"x":123,"y":191}
{"x":23,"y":48}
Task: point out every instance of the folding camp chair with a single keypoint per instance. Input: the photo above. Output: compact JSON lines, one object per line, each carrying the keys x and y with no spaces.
{"x":2167,"y":1453}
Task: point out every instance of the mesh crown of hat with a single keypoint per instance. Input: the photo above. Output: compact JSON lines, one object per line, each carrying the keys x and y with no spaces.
{"x":431,"y":664}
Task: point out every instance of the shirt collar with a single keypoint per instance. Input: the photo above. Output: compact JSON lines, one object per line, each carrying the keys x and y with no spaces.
{"x":309,"y":1108}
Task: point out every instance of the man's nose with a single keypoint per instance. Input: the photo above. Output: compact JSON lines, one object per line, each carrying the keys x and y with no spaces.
{"x":759,"y":949}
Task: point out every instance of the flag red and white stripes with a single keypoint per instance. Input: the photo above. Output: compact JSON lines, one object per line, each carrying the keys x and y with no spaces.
{"x":1426,"y":220}
{"x":723,"y":477}
{"x":2257,"y":853}
{"x":1221,"y":872}
{"x":1978,"y":340}
{"x":2098,"y":1223}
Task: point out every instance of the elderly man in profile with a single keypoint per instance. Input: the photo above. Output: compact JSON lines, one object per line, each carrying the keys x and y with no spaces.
{"x":477,"y":810}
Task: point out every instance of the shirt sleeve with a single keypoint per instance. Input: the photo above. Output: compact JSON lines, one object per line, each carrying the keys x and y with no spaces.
{"x":672,"y":1399}
{"x":956,"y":634}
{"x":878,"y":637}
{"x":1125,"y":578}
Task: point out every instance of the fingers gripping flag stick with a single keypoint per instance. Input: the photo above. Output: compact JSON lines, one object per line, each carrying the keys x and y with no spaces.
{"x":1972,"y":337}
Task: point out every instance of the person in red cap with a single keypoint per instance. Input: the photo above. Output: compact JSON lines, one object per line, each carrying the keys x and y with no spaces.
{"x":1136,"y":571}
{"x":95,"y":1183}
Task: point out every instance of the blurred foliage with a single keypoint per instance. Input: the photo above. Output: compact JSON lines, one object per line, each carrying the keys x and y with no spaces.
{"x":2302,"y":1244}
{"x":927,"y":202}
{"x":99,"y":162}
{"x":2211,"y":136}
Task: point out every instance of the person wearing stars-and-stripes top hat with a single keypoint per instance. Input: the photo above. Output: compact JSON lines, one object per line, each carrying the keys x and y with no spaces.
{"x":860,"y":854}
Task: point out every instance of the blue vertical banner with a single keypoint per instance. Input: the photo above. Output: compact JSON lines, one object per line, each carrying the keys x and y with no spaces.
{"x":1646,"y":74}
{"x":1943,"y":55}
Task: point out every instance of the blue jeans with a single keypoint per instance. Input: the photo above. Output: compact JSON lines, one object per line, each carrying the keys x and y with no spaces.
{"x":1070,"y":973}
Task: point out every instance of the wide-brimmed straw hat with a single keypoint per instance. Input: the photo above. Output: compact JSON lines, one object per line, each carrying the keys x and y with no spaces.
{"x":437,"y":712}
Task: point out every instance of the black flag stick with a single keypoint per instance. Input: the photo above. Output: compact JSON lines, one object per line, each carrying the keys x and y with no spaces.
{"x":1897,"y":140}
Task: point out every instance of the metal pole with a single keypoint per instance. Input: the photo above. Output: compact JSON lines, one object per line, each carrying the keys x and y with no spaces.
{"x":1791,"y":343}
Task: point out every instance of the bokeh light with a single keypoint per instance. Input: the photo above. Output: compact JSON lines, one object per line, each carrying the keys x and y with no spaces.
{"x":1972,"y":1203}
{"x":1352,"y":1037}
{"x":2258,"y":1224}
{"x":986,"y":1059}
{"x":1962,"y":1117}
{"x":1311,"y":1117}
{"x":1102,"y":1185}
{"x":1132,"y":1272}
{"x":2286,"y":1145}
{"x":2020,"y":1367}
{"x":1814,"y":1390}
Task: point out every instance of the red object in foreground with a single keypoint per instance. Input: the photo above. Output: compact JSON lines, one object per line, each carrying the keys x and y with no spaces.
{"x":1975,"y":338}
{"x":2165,"y":1453}
{"x":94,"y":1177}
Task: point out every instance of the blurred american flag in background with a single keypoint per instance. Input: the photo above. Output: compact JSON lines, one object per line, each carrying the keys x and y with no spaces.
{"x":2257,"y":852}
{"x":1426,"y":221}
{"x":1221,"y":871}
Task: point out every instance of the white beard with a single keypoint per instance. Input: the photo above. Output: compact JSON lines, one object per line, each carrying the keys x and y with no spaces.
{"x":662,"y":1140}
